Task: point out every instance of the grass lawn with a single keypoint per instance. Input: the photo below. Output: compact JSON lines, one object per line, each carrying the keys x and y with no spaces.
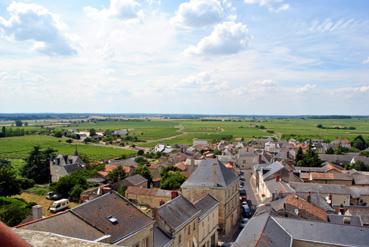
{"x":41,"y":200}
{"x":16,"y":148}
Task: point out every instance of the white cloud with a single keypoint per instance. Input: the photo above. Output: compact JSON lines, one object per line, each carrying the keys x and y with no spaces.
{"x":366,"y":61}
{"x":328,"y":25}
{"x":271,"y":5}
{"x":305,"y":88}
{"x":32,"y":22}
{"x":202,"y":82}
{"x":226,"y":38}
{"x":119,"y":9}
{"x":197,"y":13}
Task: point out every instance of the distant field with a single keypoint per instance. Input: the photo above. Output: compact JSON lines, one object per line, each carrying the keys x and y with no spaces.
{"x":184,"y":131}
{"x":19,"y":147}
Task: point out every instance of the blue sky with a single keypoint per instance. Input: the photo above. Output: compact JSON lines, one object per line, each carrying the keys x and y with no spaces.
{"x":198,"y":56}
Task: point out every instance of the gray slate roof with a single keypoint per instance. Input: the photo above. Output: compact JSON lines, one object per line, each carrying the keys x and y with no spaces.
{"x":205,"y":204}
{"x":177,"y":212}
{"x":321,"y":188}
{"x":134,"y":180}
{"x":273,"y":168}
{"x":265,"y":230}
{"x":210,"y":173}
{"x":160,"y":238}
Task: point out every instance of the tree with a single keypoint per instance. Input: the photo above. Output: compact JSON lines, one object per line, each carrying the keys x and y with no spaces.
{"x":171,"y":178}
{"x":140,"y":152}
{"x":13,"y":210}
{"x":144,"y":172}
{"x":92,"y":132}
{"x":330,"y":150}
{"x":359,"y":143}
{"x":310,"y":158}
{"x":18,"y":123}
{"x":71,"y":185}
{"x":299,"y":155}
{"x":38,"y":165}
{"x":9,"y":183}
{"x":116,"y":174}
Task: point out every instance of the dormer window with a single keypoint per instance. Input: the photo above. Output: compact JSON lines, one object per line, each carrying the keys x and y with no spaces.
{"x":112,"y":219}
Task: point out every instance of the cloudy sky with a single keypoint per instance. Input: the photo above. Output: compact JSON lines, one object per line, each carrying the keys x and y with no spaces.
{"x":197,"y":56}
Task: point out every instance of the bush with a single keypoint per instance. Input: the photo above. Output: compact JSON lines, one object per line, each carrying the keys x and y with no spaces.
{"x":26,"y":183}
{"x":140,"y":152}
{"x":13,"y":210}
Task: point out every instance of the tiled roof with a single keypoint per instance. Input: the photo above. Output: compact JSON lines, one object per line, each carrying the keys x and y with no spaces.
{"x":111,"y":167}
{"x":149,"y":192}
{"x":210,"y":173}
{"x":330,"y":176}
{"x":177,"y":212}
{"x":309,"y":208}
{"x":321,"y":188}
{"x":129,"y":218}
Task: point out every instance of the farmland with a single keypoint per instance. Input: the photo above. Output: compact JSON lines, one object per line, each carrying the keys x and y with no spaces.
{"x":19,"y":147}
{"x":183,"y":131}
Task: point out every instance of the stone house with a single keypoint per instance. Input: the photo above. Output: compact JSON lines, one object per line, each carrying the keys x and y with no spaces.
{"x":152,"y":198}
{"x":64,"y":165}
{"x":212,"y":177}
{"x":178,"y":219}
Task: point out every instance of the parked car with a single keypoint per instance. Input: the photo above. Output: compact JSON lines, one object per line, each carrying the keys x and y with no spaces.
{"x":246,"y":211}
{"x":59,"y":205}
{"x":242,"y":179}
{"x":53,"y":196}
{"x":244,"y":222}
{"x":242,"y":184}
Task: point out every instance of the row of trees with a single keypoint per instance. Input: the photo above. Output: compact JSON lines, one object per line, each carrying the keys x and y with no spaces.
{"x":9,"y":132}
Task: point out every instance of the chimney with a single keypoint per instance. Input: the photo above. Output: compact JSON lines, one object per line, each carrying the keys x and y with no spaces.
{"x":36,"y":212}
{"x":309,"y":198}
{"x":174,"y":194}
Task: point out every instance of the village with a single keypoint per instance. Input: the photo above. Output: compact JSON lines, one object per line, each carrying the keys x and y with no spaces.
{"x":264,"y":192}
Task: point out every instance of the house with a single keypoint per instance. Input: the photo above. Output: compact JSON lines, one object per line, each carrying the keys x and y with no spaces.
{"x":109,"y":218}
{"x":359,"y":195}
{"x":335,"y":195}
{"x":212,"y":177}
{"x":208,"y":221}
{"x":64,"y":165}
{"x":245,"y":158}
{"x":343,"y":159}
{"x":110,"y":167}
{"x":330,"y":178}
{"x":266,"y":230}
{"x":93,"y":193}
{"x":121,"y":132}
{"x":178,"y":219}
{"x":135,"y":181}
{"x":272,"y":147}
{"x":343,"y":143}
{"x":295,"y":206}
{"x":272,"y":180}
{"x":162,"y":148}
{"x":152,"y":198}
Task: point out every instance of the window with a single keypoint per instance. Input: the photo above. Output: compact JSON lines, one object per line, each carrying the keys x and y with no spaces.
{"x":194,"y":226}
{"x":179,"y":239}
{"x":189,"y":230}
{"x":136,"y":245}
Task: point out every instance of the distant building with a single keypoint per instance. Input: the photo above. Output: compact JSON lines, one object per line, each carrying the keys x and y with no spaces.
{"x":64,"y":165}
{"x":135,"y":181}
{"x":152,"y":198}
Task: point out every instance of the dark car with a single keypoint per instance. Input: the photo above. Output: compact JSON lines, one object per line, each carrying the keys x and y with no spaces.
{"x":53,"y":196}
{"x":242,"y":179}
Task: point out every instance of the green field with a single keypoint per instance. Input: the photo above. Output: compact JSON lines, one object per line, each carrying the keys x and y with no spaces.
{"x":19,"y":147}
{"x":179,"y":131}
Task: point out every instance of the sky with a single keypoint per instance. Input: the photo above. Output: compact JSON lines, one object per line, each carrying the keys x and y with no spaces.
{"x":198,"y":56}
